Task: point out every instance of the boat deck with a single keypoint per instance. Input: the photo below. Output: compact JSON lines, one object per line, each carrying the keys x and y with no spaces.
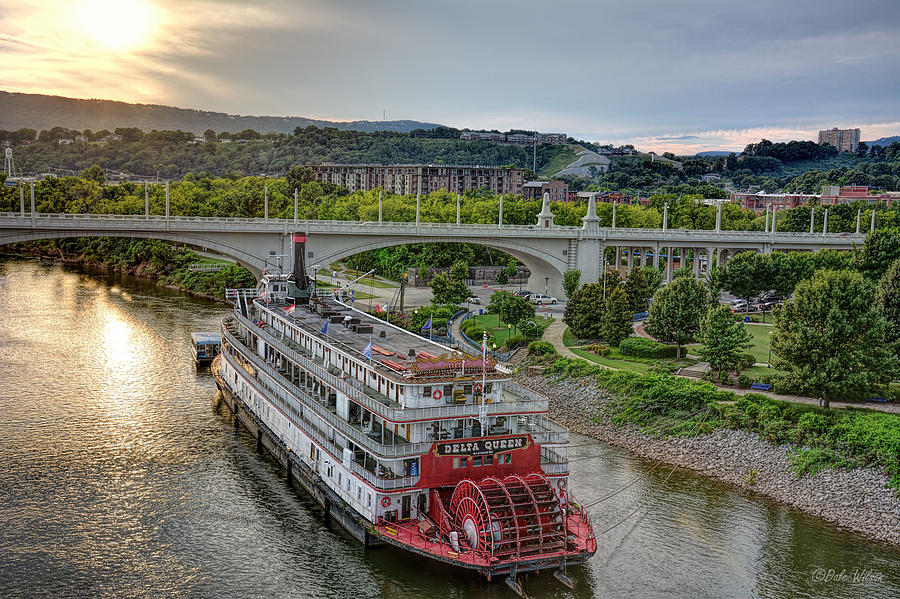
{"x":409,"y":535}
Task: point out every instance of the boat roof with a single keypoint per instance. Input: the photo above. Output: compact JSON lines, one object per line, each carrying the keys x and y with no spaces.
{"x":398,"y":350}
{"x":205,"y":337}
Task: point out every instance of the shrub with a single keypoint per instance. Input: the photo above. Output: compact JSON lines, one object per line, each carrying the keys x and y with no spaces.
{"x":541,"y":348}
{"x":639,"y":347}
{"x":599,"y":349}
{"x":744,"y":381}
{"x":811,"y":461}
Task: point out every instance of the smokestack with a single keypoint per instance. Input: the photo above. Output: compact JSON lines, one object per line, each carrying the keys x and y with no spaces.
{"x":300,"y":261}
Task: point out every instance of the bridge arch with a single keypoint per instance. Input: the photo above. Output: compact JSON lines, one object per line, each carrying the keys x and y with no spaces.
{"x":546,"y":268}
{"x":254,"y":264}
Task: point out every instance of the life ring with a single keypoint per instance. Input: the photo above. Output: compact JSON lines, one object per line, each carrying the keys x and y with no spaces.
{"x":385,"y":501}
{"x":477,"y":387}
{"x":436,"y":394}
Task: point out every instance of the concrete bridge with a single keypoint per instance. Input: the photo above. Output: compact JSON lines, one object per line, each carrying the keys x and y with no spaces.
{"x":546,"y":249}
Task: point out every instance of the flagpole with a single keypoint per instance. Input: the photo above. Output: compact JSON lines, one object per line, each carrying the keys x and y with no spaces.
{"x":482,"y":416}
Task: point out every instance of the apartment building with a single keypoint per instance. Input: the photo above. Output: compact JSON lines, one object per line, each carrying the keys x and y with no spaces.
{"x":407,"y":179}
{"x":558,"y":190}
{"x":845,"y":140}
{"x":848,"y":194}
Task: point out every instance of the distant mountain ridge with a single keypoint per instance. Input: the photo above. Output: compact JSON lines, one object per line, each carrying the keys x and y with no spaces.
{"x":883,"y":141}
{"x":38,"y":111}
{"x":716,"y":153}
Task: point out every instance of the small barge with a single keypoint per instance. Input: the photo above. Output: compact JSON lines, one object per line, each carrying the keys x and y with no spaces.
{"x":403,"y":441}
{"x":205,"y":346}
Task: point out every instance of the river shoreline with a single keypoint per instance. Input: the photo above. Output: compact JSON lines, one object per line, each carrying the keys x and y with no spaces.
{"x":140,"y":271}
{"x":853,"y":499}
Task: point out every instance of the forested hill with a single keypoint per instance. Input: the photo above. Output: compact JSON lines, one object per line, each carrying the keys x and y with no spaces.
{"x":172,"y":154}
{"x":36,"y":111}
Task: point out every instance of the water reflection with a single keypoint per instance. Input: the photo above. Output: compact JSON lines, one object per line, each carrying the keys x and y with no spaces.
{"x":121,"y":477}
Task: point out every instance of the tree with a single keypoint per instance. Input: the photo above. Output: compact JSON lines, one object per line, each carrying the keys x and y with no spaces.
{"x":888,"y":299}
{"x":510,"y":308}
{"x":571,"y":281}
{"x":676,"y":311}
{"x":297,"y":176}
{"x":584,"y":311}
{"x":209,"y":135}
{"x":94,"y":173}
{"x":881,"y":249}
{"x":654,"y":278}
{"x":745,"y":275}
{"x":831,"y":336}
{"x":723,"y":339}
{"x":637,"y":290}
{"x":459,"y":272}
{"x":445,"y":290}
{"x":618,"y":316}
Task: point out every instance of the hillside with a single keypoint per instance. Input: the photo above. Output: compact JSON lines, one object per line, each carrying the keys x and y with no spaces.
{"x":36,"y":111}
{"x":883,"y":141}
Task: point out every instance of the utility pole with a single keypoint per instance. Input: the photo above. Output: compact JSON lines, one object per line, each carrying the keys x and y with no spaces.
{"x":167,"y":204}
{"x":295,"y":206}
{"x":146,"y":199}
{"x":534,"y":154}
{"x":266,"y":202}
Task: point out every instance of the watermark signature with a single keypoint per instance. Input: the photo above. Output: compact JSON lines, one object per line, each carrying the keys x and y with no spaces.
{"x":847,"y":575}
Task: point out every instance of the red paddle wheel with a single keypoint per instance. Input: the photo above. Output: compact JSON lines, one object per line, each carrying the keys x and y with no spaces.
{"x":510,"y":518}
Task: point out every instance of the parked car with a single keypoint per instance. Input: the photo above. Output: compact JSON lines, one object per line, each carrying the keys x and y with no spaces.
{"x":739,"y":305}
{"x":540,"y":298}
{"x":523,"y":293}
{"x":473,"y":300}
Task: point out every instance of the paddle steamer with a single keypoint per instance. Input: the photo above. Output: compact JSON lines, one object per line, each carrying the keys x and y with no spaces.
{"x":402,"y":440}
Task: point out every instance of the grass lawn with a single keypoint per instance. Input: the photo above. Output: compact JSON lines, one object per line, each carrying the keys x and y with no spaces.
{"x":758,"y":371}
{"x":759,"y":339}
{"x":569,"y":339}
{"x":611,"y":362}
{"x":498,"y":329}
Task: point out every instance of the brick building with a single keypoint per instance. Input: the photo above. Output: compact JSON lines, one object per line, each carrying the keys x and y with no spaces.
{"x":409,"y":179}
{"x":759,"y":201}
{"x":558,"y":190}
{"x":848,"y":194}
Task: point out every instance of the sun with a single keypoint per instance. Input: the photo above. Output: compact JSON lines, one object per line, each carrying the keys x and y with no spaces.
{"x":117,"y":25}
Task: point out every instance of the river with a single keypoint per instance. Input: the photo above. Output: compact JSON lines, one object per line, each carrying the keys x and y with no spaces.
{"x":123,"y":477}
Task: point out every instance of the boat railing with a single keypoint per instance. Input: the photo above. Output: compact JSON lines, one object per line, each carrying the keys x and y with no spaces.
{"x":343,"y":427}
{"x":281,"y":342}
{"x":302,"y":423}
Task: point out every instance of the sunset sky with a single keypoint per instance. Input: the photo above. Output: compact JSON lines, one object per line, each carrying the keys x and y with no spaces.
{"x":679,"y":76}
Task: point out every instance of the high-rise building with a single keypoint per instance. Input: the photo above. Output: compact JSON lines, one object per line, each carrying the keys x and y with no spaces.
{"x":845,"y":140}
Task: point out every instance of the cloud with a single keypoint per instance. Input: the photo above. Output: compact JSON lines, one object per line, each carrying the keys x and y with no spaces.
{"x":672,"y":75}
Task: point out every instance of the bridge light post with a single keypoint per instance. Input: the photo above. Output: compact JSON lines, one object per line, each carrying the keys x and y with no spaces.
{"x":32,"y":203}
{"x":296,"y":206}
{"x":380,"y":193}
{"x":167,"y":204}
{"x":825,"y":224}
{"x":872,"y":228}
{"x":146,"y":200}
{"x":666,"y":216}
{"x":858,"y":218}
{"x":22,"y":200}
{"x":266,"y":202}
{"x":812,"y":218}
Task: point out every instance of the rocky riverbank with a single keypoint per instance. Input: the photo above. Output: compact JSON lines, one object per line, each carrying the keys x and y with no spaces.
{"x":855,"y":499}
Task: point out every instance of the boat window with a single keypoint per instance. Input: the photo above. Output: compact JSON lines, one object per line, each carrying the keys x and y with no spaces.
{"x":426,"y":391}
{"x":476,"y":461}
{"x":488,"y":460}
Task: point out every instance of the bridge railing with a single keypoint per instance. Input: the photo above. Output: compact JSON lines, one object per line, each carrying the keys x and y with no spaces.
{"x":116,"y":221}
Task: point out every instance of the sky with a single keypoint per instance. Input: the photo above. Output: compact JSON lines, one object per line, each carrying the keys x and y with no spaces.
{"x":681,"y":76}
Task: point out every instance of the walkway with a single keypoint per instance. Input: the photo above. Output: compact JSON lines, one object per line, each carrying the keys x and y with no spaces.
{"x":554,"y":335}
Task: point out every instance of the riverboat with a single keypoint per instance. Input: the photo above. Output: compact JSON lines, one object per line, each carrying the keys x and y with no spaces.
{"x":205,"y":346}
{"x":403,"y":441}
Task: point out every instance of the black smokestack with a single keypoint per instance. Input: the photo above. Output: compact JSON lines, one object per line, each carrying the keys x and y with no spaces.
{"x":300,"y":261}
